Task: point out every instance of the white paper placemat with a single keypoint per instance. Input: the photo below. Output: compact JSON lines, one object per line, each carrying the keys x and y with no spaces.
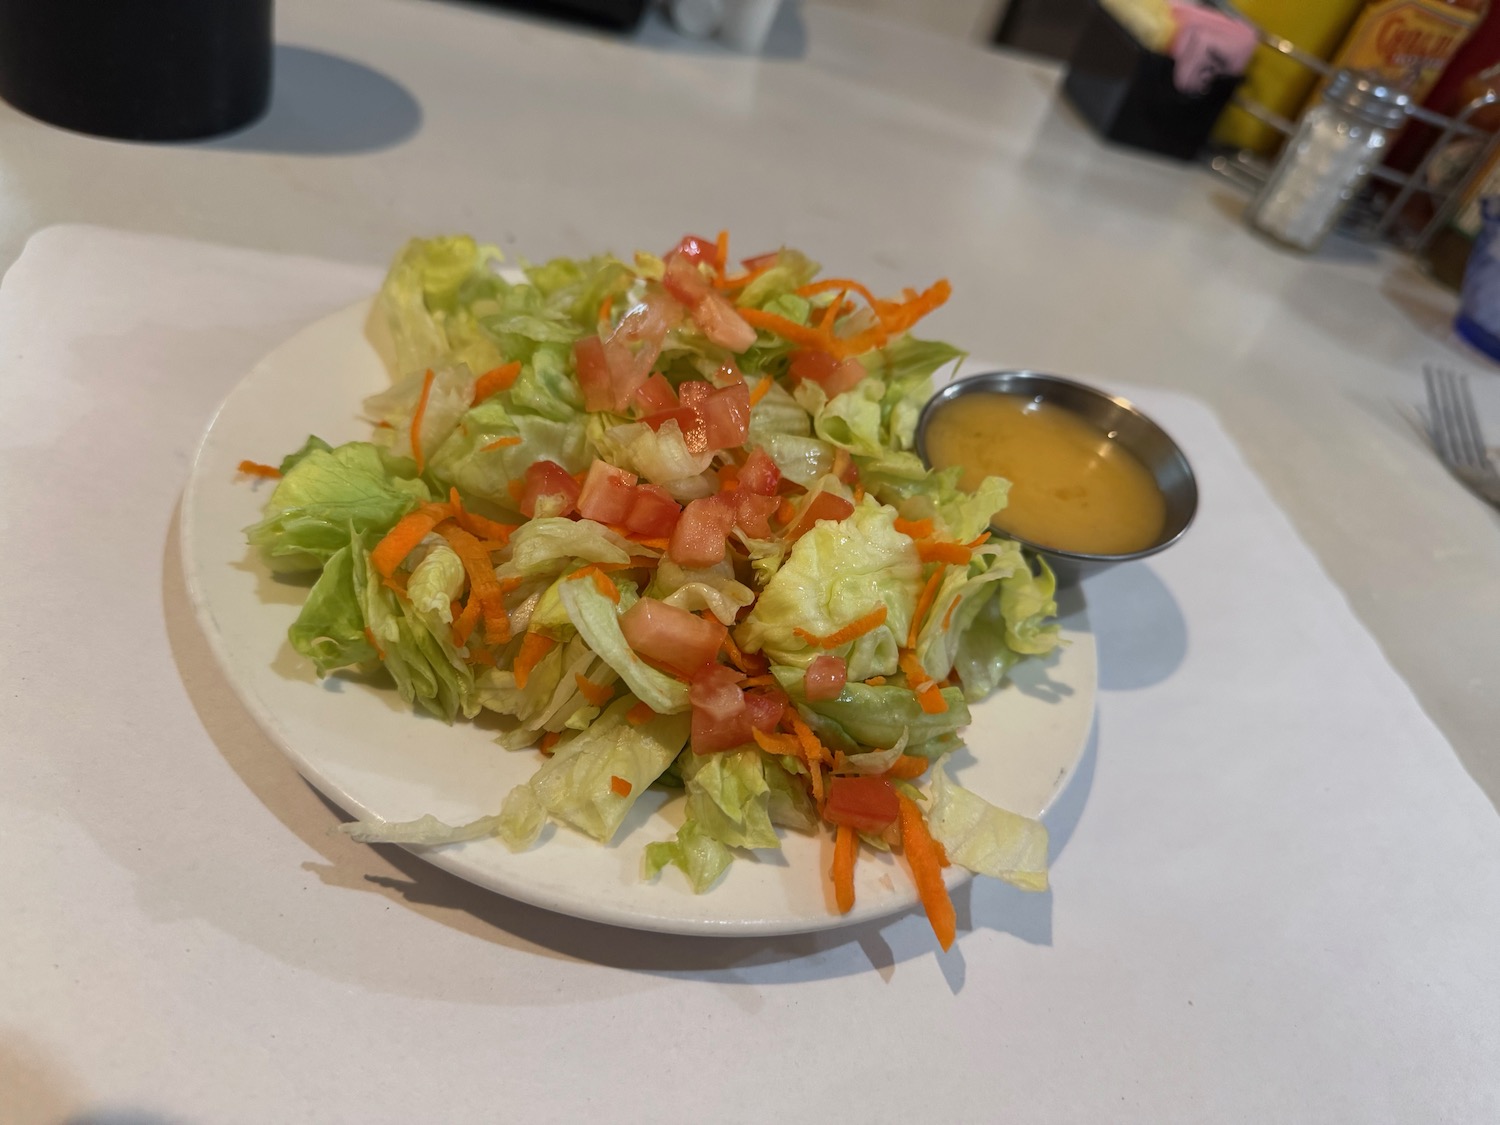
{"x":1276,"y":893}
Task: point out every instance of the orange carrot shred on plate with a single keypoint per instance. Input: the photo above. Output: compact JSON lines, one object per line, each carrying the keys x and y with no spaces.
{"x":931,"y":700}
{"x":496,"y":535}
{"x":602,"y":581}
{"x":907,"y":767}
{"x":760,"y":390}
{"x":924,"y":603}
{"x":779,"y":744}
{"x":931,"y":550}
{"x":400,"y":540}
{"x":848,"y":285}
{"x":787,"y":329}
{"x":597,"y":694}
{"x":416,"y":421}
{"x":979,"y":540}
{"x":640,"y":713}
{"x":721,"y":252}
{"x":922,"y":857}
{"x":256,"y":469}
{"x":482,"y":581}
{"x":812,"y":749}
{"x":831,"y":314}
{"x":396,"y":583}
{"x":501,"y":443}
{"x":845,"y":849}
{"x":517,"y":489}
{"x":495,"y":380}
{"x":483,"y":656}
{"x":369,"y":636}
{"x":760,"y":681}
{"x":859,"y":495}
{"x":855,"y":629}
{"x":606,"y":307}
{"x":619,"y":786}
{"x":948,"y":617}
{"x":655,"y":543}
{"x":786,"y":511}
{"x":916,"y":529}
{"x":549,"y":740}
{"x":463,"y":624}
{"x":875,"y":681}
{"x":533,"y":647}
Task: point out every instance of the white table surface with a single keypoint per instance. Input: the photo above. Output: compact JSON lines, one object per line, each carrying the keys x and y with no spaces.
{"x":894,"y":156}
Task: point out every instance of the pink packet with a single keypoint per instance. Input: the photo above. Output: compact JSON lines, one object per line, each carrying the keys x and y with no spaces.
{"x":1207,"y":44}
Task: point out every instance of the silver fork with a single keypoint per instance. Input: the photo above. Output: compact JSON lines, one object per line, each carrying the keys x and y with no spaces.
{"x":1453,"y":426}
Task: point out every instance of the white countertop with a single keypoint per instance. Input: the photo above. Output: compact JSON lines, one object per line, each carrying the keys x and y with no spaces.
{"x":891,"y":155}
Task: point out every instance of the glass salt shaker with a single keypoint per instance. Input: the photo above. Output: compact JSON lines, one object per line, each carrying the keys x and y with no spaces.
{"x":1328,"y":159}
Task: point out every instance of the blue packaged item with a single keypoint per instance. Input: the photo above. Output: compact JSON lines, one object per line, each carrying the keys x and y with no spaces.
{"x":1478,"y":320}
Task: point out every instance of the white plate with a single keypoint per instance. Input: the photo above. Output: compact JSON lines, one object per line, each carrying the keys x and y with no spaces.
{"x":360,"y":745}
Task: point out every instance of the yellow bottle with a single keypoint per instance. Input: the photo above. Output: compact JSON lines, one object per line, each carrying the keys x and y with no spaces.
{"x":1274,"y":80}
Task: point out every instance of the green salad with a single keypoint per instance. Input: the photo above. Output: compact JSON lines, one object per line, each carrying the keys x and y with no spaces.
{"x":663,"y":517}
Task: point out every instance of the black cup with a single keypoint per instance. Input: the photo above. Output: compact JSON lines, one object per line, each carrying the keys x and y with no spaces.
{"x":141,"y":70}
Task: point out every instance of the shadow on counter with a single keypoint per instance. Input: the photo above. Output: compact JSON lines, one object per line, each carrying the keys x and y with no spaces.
{"x":322,"y":104}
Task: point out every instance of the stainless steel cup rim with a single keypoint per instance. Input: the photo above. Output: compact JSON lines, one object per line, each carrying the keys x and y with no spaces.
{"x":1121,"y":419}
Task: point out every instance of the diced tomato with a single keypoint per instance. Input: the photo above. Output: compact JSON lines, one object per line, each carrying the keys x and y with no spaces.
{"x":685,"y":281}
{"x":765,"y":709}
{"x":721,"y":324}
{"x":833,"y":375}
{"x":655,"y":394}
{"x":726,"y":416}
{"x":816,"y":366}
{"x":654,"y":513}
{"x":608,"y":493}
{"x":845,"y":377}
{"x":593,"y":374}
{"x":634,"y":346}
{"x":694,"y":391}
{"x":867,"y":804}
{"x":759,"y":473}
{"x":752,"y":512}
{"x":721,"y":717}
{"x":547,"y":478}
{"x":682,"y":641}
{"x":698,"y":540}
{"x":825,"y":678}
{"x":695,"y":249}
{"x":824,"y":506}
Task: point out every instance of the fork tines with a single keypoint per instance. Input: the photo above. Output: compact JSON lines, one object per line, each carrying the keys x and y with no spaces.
{"x":1453,"y":422}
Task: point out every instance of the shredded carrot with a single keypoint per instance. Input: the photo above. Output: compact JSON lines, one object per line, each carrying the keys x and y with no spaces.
{"x":483,"y":656}
{"x":501,"y":443}
{"x":845,"y":848}
{"x":931,"y":550}
{"x":830,"y":314}
{"x":549,"y":740}
{"x":497,"y":534}
{"x":979,"y":541}
{"x":931,"y":700}
{"x":799,"y":334}
{"x":602,"y":581}
{"x":948,"y":617}
{"x":606,"y":307}
{"x":397,"y":583}
{"x":760,"y":681}
{"x":271,"y":472}
{"x":812,"y":749}
{"x":721,"y":252}
{"x":760,"y":390}
{"x":640,"y":713}
{"x":416,"y":421}
{"x":402,"y":539}
{"x":533,"y":647}
{"x":369,"y":636}
{"x":655,"y":543}
{"x":815,"y":776}
{"x":781,"y":744}
{"x":906,"y":767}
{"x":786,"y":511}
{"x":859,"y":494}
{"x":619,"y":786}
{"x":924,"y":603}
{"x":596,"y":694}
{"x":856,"y":628}
{"x":516,"y":488}
{"x":482,"y":581}
{"x":875,"y":681}
{"x":384,"y":425}
{"x":463,"y":624}
{"x":927,"y":871}
{"x":743,"y":279}
{"x":917,"y":529}
{"x":495,"y":380}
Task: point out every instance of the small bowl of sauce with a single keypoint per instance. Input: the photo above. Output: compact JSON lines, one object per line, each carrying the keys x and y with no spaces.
{"x":1093,"y":481}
